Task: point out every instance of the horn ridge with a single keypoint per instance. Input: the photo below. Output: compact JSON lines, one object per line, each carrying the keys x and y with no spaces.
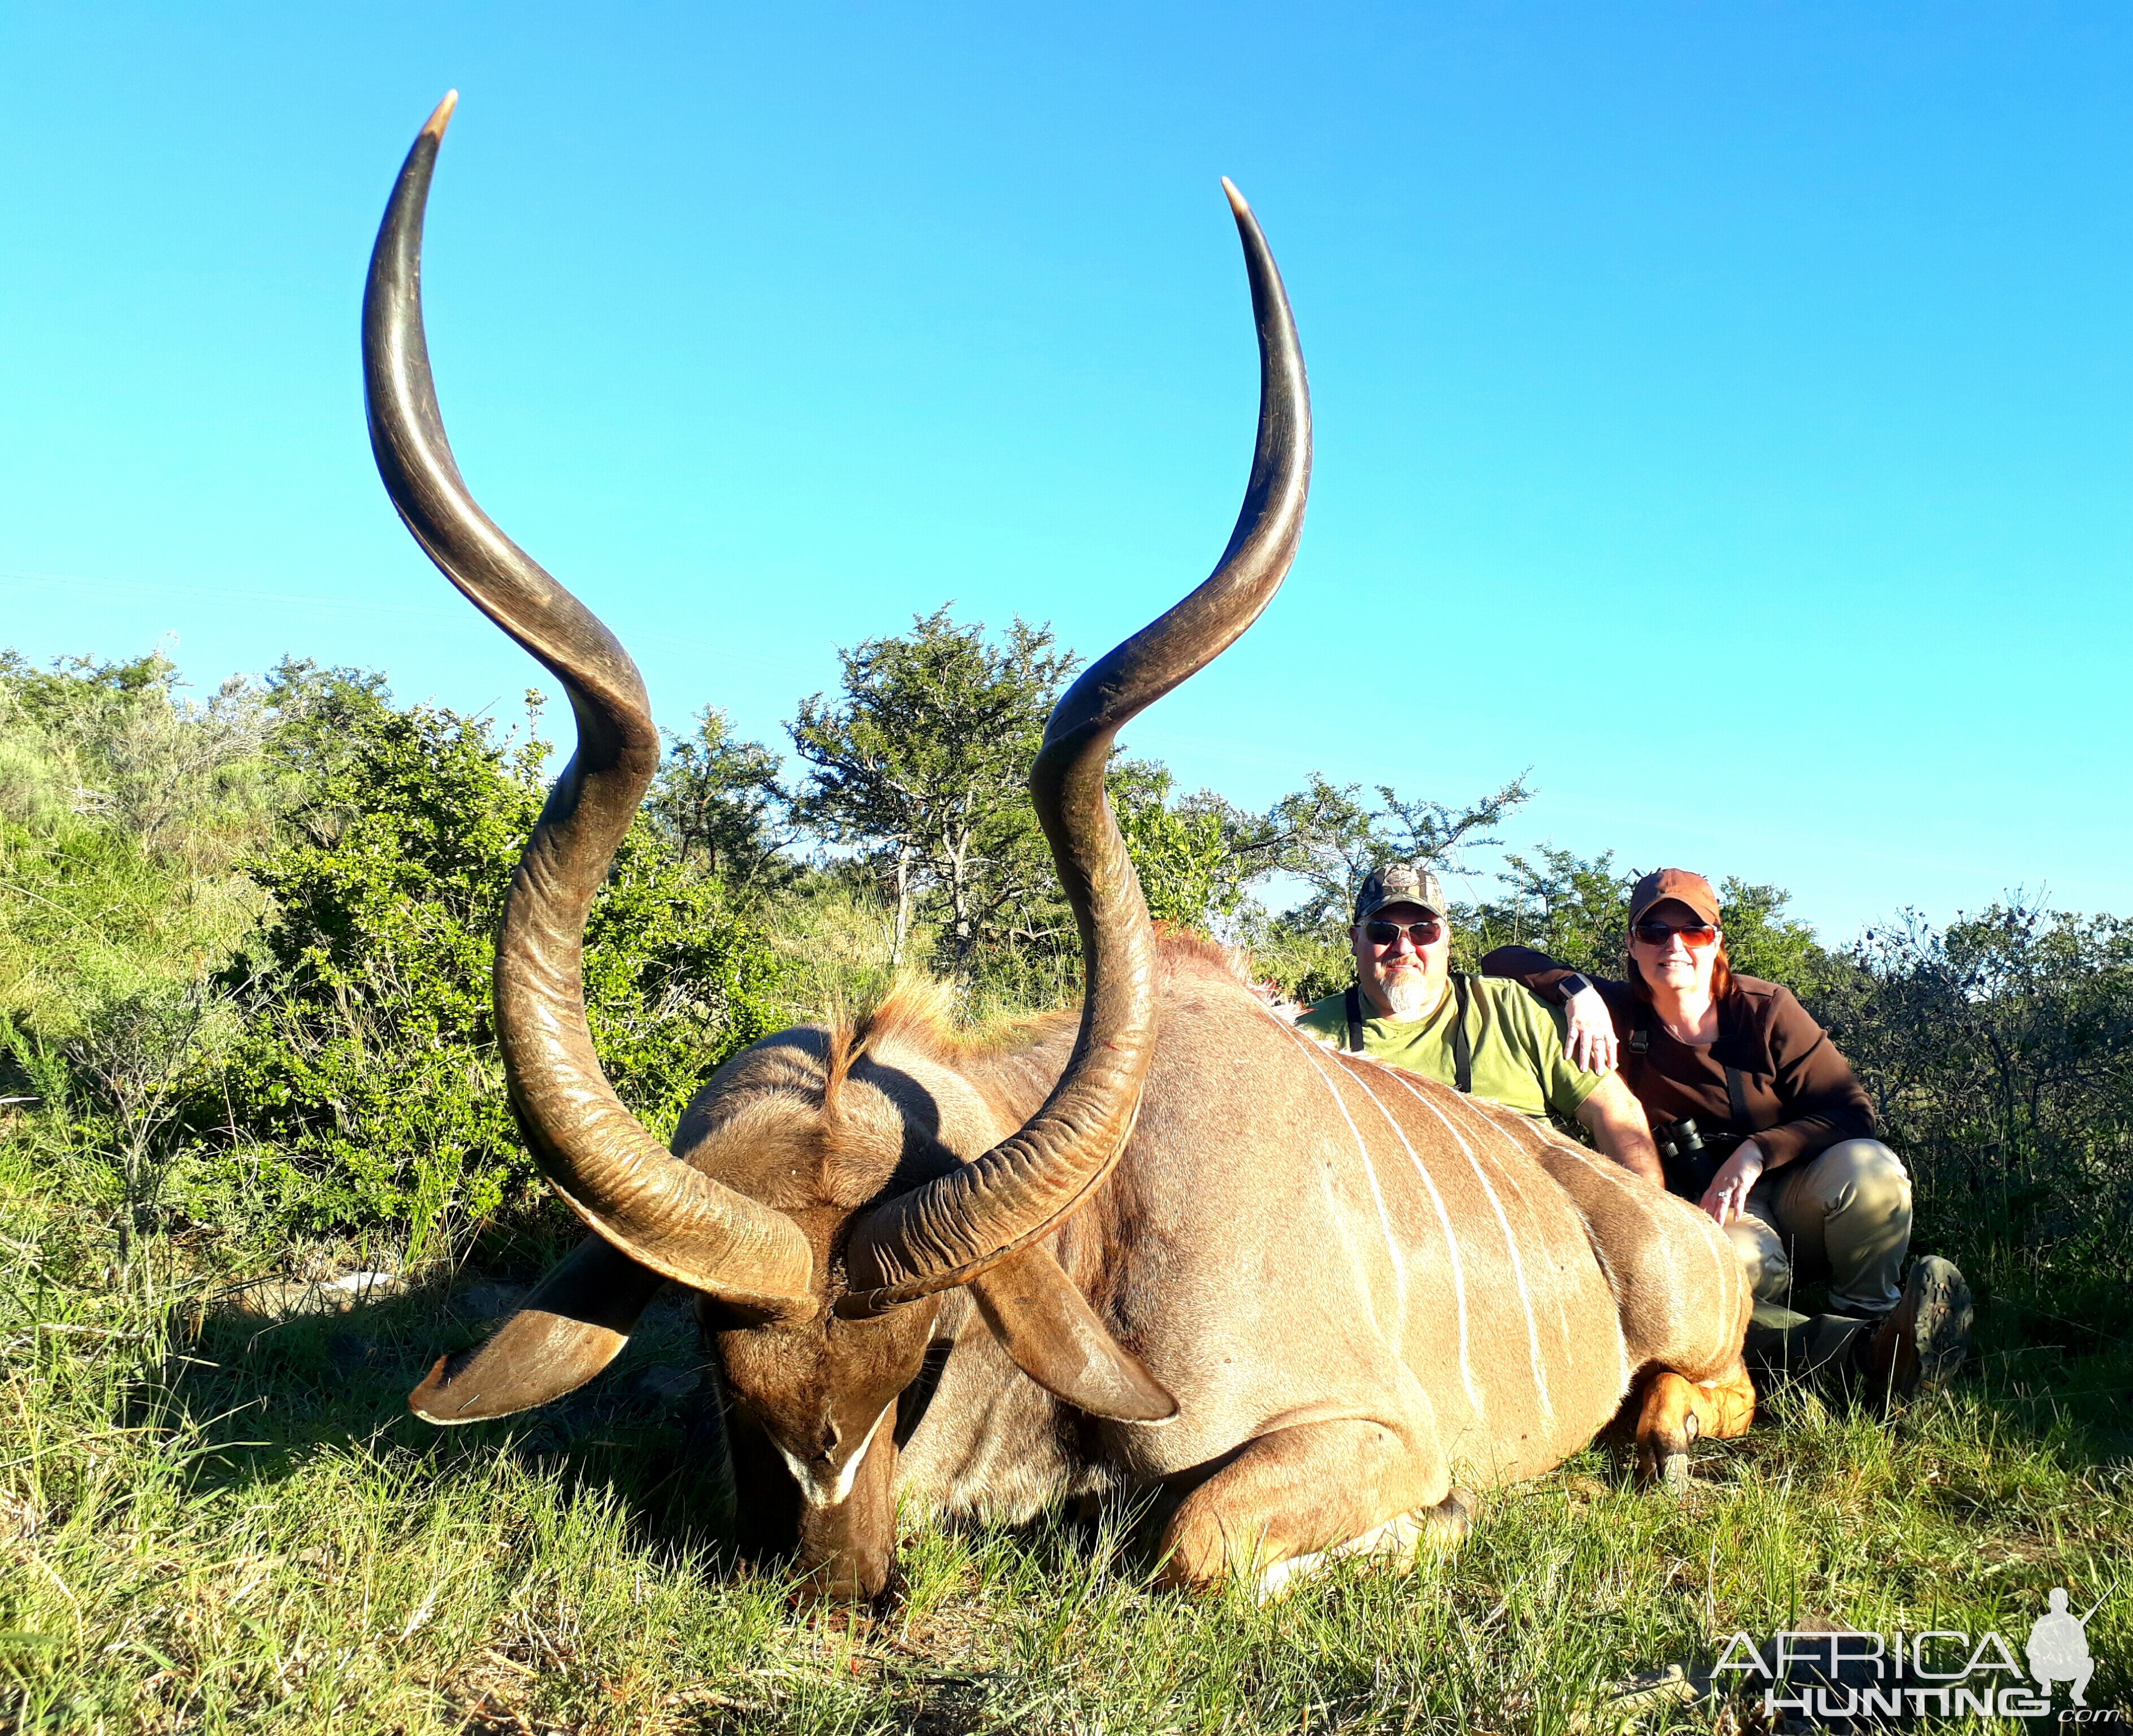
{"x":601,"y":1160}
{"x":956,"y":1227}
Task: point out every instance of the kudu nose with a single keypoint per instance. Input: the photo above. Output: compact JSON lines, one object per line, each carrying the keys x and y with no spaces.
{"x":855,"y":1569}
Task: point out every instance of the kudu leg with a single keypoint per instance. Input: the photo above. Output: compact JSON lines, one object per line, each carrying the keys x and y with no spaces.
{"x":1675,"y":1412}
{"x":1300,"y":1495}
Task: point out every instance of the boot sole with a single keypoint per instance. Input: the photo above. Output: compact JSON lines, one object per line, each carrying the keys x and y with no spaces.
{"x":1941,"y":1325}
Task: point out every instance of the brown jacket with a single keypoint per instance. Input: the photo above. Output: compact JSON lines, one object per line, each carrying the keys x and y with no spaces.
{"x":1802,"y":1096}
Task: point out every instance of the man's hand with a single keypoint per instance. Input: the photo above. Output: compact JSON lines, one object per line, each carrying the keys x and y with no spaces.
{"x":1616,"y":1120}
{"x":1727,"y":1198}
{"x":1589,"y":1041}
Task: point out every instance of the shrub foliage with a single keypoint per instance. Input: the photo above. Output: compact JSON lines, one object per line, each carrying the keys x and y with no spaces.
{"x":362,"y":1086}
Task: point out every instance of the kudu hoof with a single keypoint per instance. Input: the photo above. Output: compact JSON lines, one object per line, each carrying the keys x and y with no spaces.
{"x":1452,"y":1518}
{"x":1663,"y":1464}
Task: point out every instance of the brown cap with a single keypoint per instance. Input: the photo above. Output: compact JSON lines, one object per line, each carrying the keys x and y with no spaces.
{"x":1399,"y":882}
{"x":1679,"y":885}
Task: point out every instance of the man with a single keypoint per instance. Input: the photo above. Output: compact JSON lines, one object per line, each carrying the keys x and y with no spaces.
{"x":1493,"y":1038}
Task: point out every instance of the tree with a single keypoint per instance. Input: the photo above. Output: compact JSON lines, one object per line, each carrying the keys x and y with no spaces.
{"x":717,"y":801}
{"x":1330,"y":838}
{"x":923,"y":764}
{"x":1761,"y":940}
{"x":123,"y":804}
{"x":131,"y":1060}
{"x":1189,"y":873}
{"x":1570,"y":907}
{"x":1999,"y":1051}
{"x":116,"y":742}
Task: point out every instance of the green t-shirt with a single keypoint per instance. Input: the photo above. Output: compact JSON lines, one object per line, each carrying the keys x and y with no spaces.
{"x":1516,"y":1039}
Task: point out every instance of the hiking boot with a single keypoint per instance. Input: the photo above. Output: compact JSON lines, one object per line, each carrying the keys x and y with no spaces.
{"x":1922,"y":1342}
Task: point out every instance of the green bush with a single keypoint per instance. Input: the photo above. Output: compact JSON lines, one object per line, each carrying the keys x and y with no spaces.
{"x":363,"y":1090}
{"x":1999,"y":1051}
{"x":1181,"y":852}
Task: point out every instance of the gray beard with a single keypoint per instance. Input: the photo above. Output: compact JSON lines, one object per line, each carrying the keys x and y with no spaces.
{"x":1408,"y":995}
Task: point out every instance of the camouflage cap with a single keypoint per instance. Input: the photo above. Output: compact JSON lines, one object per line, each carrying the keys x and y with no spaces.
{"x":1399,"y":882}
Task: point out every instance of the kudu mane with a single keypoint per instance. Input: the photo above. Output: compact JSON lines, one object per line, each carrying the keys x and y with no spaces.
{"x":919,"y":1010}
{"x":1013,"y":1060}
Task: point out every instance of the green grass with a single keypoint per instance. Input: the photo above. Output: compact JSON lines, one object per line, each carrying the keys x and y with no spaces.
{"x":211,"y":1521}
{"x":87,"y":917}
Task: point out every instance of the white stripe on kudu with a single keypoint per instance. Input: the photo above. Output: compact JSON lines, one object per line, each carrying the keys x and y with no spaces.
{"x":1519,"y":1193}
{"x":1338,"y":1215}
{"x":1712,"y":1238}
{"x":1729,"y":1267}
{"x":1351,"y":1070}
{"x":1719,"y":1246}
{"x":1614,"y":1290}
{"x":1443,"y":1218}
{"x":1545,"y":1142}
{"x":1384,"y":1219}
{"x":1503,"y":1223}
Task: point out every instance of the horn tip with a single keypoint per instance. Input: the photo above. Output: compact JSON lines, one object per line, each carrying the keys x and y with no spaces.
{"x":1236,"y":200}
{"x":440,"y":116}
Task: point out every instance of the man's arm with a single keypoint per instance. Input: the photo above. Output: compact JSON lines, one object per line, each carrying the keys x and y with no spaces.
{"x":1616,"y":1120}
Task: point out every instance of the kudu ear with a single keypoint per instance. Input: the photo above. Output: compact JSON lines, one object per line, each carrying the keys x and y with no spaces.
{"x":1054,"y":1336}
{"x":573,"y":1325}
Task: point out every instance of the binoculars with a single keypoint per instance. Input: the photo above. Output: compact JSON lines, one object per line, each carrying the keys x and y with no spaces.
{"x":1688,"y":1162}
{"x":1679,"y":1141}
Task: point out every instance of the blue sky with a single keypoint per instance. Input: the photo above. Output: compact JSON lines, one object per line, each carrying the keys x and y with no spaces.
{"x":1722,"y":411}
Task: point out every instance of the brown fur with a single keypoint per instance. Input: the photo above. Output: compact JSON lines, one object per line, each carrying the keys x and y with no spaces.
{"x":1305,"y":1426}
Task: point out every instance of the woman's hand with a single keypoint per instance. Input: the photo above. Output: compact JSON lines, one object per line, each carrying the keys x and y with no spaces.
{"x":1589,"y":1040}
{"x":1727,"y":1198}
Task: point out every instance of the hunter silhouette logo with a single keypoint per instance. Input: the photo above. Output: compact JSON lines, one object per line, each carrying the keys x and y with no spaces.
{"x":2058,"y":1649}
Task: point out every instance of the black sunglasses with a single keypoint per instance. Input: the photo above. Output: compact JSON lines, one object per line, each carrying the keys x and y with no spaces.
{"x":1385,"y":934}
{"x":1658,"y":934}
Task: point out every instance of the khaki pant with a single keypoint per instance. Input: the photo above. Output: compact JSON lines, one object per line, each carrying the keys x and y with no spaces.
{"x":1844,"y":1215}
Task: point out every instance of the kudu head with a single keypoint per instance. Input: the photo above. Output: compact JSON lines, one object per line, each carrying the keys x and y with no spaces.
{"x":826,"y":1202}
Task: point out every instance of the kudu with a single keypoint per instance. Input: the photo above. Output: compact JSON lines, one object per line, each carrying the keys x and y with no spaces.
{"x":1172,"y":1242}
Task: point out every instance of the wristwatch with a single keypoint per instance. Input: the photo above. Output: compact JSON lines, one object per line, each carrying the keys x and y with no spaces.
{"x":1573,"y":985}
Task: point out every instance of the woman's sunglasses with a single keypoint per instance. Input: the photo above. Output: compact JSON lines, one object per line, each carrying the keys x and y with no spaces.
{"x":1385,"y":934}
{"x":1658,"y":934}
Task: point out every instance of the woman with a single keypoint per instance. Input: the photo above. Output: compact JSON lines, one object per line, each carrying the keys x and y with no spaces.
{"x":1762,"y":1121}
